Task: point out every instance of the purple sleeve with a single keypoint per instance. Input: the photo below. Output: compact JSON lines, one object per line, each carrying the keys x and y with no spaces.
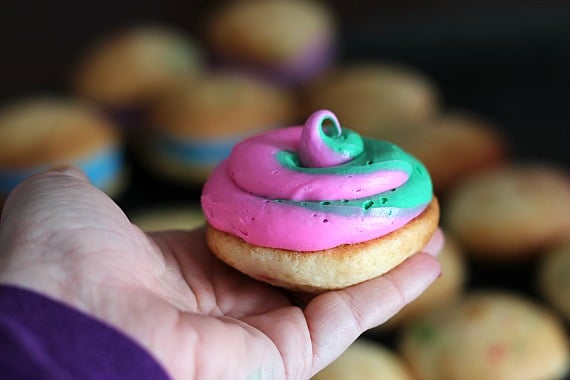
{"x":44,"y":339}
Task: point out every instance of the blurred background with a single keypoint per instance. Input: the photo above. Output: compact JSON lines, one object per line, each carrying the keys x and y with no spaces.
{"x":505,"y":61}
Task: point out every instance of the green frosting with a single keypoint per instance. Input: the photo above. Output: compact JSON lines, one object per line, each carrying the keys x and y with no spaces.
{"x":348,"y":143}
{"x":378,"y":155}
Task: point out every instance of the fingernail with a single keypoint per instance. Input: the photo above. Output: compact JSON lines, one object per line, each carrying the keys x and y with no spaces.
{"x":70,"y":170}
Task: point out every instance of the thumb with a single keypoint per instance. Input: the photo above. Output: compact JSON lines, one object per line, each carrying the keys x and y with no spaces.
{"x":53,"y":196}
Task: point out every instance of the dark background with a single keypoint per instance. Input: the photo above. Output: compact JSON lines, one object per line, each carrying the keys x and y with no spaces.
{"x":507,"y":60}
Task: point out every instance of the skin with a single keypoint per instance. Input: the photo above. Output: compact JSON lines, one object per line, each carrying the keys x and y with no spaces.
{"x":198,"y":317}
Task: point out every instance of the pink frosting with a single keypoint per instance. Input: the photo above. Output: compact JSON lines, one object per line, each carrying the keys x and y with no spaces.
{"x":247,"y":196}
{"x":254,"y":169}
{"x":263,"y":222}
{"x":313,"y":151}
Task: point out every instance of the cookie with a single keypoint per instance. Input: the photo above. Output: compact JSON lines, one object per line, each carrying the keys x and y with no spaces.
{"x":453,"y":146}
{"x":316,"y":207}
{"x":365,"y":360}
{"x":42,"y":133}
{"x":196,"y":127}
{"x":289,"y":41}
{"x":179,"y":217}
{"x":372,"y":97}
{"x":125,"y":71}
{"x":488,"y":336}
{"x":510,"y":212}
{"x":554,"y":277}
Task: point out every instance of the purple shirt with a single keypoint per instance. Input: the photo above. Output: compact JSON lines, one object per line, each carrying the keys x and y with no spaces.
{"x":44,"y":339}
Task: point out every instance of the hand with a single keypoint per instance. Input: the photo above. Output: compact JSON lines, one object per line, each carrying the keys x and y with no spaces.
{"x":200,"y":318}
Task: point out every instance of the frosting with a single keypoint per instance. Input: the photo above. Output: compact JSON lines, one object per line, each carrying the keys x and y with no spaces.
{"x":102,"y":169}
{"x":314,"y":187}
{"x":321,"y":147}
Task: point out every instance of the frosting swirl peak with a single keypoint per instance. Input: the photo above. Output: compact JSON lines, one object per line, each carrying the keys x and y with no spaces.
{"x":319,"y":148}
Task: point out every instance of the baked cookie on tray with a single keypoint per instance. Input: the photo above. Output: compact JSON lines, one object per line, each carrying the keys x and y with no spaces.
{"x":195,"y":127}
{"x":127,"y":70}
{"x":168,"y":217}
{"x":44,"y":132}
{"x":370,"y":97}
{"x":511,"y":212}
{"x":554,"y":277}
{"x":285,"y":41}
{"x":453,"y":146}
{"x":366,"y":360}
{"x":488,"y":335}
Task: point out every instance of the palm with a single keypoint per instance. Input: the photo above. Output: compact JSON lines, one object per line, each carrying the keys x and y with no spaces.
{"x":199,"y":317}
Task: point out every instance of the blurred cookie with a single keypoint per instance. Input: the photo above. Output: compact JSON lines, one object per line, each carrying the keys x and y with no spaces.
{"x":173,"y":217}
{"x":42,"y":133}
{"x":488,"y":336}
{"x":125,"y":71}
{"x":443,"y":291}
{"x":452,"y":147}
{"x":196,"y":127}
{"x":554,"y":277}
{"x":289,"y":41}
{"x":510,"y":212}
{"x":371,"y":97}
{"x":365,"y":360}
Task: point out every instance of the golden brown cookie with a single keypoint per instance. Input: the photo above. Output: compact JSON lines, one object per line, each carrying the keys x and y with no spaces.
{"x":488,"y":336}
{"x":41,"y":133}
{"x":453,"y":146}
{"x":371,"y":97}
{"x":510,"y":212}
{"x":196,"y":126}
{"x":289,"y":40}
{"x":169,"y":217}
{"x":134,"y":66}
{"x":333,"y":268}
{"x":554,"y":277}
{"x":365,"y":360}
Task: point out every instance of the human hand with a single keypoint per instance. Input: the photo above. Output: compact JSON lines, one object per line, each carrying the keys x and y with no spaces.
{"x":201,"y":319}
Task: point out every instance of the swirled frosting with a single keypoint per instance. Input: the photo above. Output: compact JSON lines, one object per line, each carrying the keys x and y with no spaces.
{"x":314,"y":187}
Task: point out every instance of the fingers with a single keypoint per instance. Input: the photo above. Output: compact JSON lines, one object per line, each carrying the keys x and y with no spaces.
{"x":433,"y":248}
{"x":335,"y":319}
